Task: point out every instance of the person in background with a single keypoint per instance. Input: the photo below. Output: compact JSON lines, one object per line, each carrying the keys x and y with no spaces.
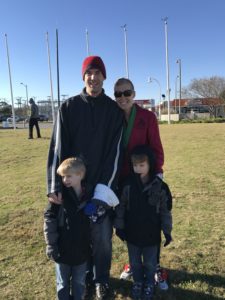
{"x":33,"y":120}
{"x":67,"y":232}
{"x":142,"y":214}
{"x":140,"y":127}
{"x":90,"y":126}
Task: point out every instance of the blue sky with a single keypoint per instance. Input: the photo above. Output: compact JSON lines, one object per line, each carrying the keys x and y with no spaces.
{"x":196,"y":34}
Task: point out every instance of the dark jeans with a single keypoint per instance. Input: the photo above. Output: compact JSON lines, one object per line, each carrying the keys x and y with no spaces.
{"x":143,"y":263}
{"x":101,"y":235}
{"x":34,"y":122}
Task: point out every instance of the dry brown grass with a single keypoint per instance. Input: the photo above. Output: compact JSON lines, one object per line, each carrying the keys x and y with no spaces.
{"x":194,"y":168}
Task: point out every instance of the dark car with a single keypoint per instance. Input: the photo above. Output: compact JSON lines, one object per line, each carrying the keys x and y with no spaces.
{"x":4,"y":118}
{"x":43,"y":118}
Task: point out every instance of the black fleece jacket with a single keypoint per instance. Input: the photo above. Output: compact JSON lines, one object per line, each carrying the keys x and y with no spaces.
{"x":91,"y":128}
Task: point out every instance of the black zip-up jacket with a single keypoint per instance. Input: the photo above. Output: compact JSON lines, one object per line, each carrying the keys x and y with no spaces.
{"x":144,"y":211}
{"x":91,"y":128}
{"x":67,"y":227}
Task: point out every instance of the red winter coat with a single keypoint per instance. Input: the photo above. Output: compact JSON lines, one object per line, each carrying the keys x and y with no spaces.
{"x":145,"y":132}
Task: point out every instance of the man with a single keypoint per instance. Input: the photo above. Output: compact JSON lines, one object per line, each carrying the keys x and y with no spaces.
{"x":90,"y":125}
{"x":33,"y":121}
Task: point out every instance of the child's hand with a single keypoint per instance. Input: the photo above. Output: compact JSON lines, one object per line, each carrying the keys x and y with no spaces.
{"x":90,"y":209}
{"x":52,"y":252}
{"x":168,"y":238}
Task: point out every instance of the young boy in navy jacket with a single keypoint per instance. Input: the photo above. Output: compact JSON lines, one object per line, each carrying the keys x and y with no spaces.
{"x":144,"y":212}
{"x":67,"y":232}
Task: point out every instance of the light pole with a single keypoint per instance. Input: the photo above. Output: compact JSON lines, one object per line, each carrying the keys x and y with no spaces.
{"x":167,"y":68}
{"x":25,"y":85}
{"x":150,"y":79}
{"x":126,"y":52}
{"x":179,"y":62}
{"x":175,"y":92}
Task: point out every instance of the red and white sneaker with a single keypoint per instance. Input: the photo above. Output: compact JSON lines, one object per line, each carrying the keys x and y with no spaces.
{"x":126,"y":274}
{"x":161,"y":277}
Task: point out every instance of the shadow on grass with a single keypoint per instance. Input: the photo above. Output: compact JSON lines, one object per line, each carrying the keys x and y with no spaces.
{"x":121,"y":289}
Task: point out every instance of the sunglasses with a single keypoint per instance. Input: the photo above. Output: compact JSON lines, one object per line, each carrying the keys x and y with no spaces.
{"x":126,"y":93}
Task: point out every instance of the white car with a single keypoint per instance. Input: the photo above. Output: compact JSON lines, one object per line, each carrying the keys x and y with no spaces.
{"x":10,"y":119}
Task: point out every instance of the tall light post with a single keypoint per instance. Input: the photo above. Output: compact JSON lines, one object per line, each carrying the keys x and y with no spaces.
{"x":151,"y":79}
{"x":25,"y":85}
{"x":167,"y":68}
{"x":126,"y":51}
{"x":179,"y":62}
{"x":175,"y":92}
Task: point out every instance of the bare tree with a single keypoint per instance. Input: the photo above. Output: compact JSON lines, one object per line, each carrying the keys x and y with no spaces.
{"x":211,"y":87}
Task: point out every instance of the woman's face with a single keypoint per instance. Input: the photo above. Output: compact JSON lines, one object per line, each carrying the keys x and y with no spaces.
{"x":124,"y":95}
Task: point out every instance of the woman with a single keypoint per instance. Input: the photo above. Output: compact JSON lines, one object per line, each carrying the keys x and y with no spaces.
{"x":140,"y":128}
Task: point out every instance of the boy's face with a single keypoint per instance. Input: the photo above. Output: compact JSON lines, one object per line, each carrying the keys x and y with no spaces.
{"x":72,"y":179}
{"x":141,"y":168}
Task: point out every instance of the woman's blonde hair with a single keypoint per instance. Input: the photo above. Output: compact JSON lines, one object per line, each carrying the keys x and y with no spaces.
{"x":123,"y":80}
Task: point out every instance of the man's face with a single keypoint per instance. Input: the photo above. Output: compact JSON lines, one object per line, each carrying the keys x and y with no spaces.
{"x":93,"y":79}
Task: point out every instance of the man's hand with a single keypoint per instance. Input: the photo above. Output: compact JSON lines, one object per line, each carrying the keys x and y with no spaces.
{"x":52,"y":252}
{"x":57,"y":199}
{"x":168,"y":238}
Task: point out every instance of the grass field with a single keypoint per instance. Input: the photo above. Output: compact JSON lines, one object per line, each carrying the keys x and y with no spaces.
{"x":195,"y":171}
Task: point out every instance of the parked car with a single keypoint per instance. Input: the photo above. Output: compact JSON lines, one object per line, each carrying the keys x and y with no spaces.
{"x":43,"y":117}
{"x":4,"y":117}
{"x":17,"y":119}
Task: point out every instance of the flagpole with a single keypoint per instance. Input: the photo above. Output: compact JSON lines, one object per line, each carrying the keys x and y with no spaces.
{"x":167,"y":67}
{"x":50,"y":78}
{"x":10,"y":80}
{"x":126,"y":51}
{"x":57,"y":62}
{"x":87,"y":42}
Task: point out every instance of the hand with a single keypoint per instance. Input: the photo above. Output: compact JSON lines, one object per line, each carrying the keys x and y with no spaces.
{"x":57,"y":199}
{"x":52,"y":252}
{"x":168,"y":238}
{"x":121,"y":234}
{"x":90,"y":209}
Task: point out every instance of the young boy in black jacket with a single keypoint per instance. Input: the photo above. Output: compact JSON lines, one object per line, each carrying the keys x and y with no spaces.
{"x":142,"y":214}
{"x":67,"y":232}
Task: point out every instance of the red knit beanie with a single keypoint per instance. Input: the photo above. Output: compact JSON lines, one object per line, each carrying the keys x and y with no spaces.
{"x":93,"y":62}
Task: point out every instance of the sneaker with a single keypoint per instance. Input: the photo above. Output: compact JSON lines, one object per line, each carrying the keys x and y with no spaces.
{"x":102,"y":291}
{"x":126,"y":274}
{"x":148,"y":292}
{"x":161,"y":277}
{"x":136,"y":291}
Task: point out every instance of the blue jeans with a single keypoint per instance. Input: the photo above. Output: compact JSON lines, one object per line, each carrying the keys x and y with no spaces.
{"x":143,"y":263}
{"x":70,"y":281}
{"x":101,"y":237}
